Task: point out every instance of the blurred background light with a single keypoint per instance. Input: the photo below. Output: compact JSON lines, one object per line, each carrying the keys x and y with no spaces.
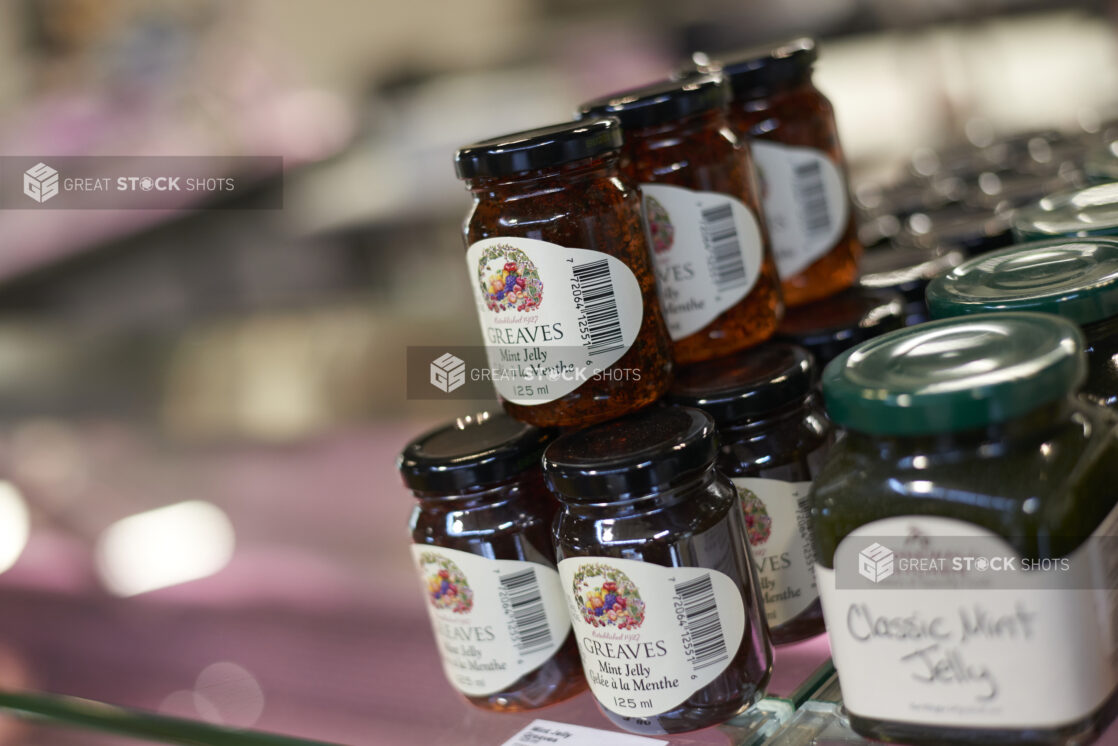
{"x":15,"y":525}
{"x":164,"y":547}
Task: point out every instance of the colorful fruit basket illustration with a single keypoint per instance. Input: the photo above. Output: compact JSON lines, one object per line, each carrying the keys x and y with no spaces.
{"x":607,"y":598}
{"x":509,"y":280}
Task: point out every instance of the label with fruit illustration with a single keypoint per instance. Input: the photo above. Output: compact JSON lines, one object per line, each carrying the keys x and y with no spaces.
{"x":494,"y":620}
{"x":805,"y":201}
{"x":553,"y":317}
{"x":935,"y":620}
{"x":706,"y":249}
{"x":778,"y":524}
{"x":651,"y":636}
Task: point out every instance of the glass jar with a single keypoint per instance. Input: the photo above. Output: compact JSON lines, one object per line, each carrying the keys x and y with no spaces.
{"x":969,"y":229}
{"x":1075,"y":214}
{"x":660,"y":586}
{"x":907,"y":270}
{"x":774,"y":437}
{"x":482,"y":546}
{"x":719,"y":289}
{"x":1076,"y":279}
{"x":958,"y":523}
{"x":1101,"y":163}
{"x":794,"y":139}
{"x":829,"y":327}
{"x":561,"y":272}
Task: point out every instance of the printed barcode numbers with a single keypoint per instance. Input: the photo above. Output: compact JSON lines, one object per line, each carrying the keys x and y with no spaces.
{"x":603,"y":322}
{"x":724,"y":254}
{"x":812,"y":198}
{"x":530,"y":629}
{"x":701,"y":623}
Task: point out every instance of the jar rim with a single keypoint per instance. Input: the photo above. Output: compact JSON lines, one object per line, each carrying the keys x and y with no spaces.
{"x":661,"y":102}
{"x":642,"y":453}
{"x":748,"y":384}
{"x":479,"y":450}
{"x":758,"y":71}
{"x":955,"y":374}
{"x":539,"y":148}
{"x":830,"y":326}
{"x":1073,"y":278}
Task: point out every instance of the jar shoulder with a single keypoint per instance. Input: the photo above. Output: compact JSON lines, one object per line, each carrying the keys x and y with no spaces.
{"x":1056,"y":485}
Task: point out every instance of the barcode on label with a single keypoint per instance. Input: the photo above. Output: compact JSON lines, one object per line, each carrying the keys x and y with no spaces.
{"x":530,"y":630}
{"x":603,"y":324}
{"x":701,"y":622}
{"x":720,"y":234}
{"x":803,"y":523}
{"x":812,"y":198}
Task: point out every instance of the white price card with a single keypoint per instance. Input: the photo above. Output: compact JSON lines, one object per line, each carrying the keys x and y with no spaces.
{"x":549,"y":732}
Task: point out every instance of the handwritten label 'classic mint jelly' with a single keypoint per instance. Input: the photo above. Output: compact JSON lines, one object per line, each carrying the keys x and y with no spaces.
{"x":1022,"y":652}
{"x":494,"y":620}
{"x":706,"y":248}
{"x":650,"y":636}
{"x":777,"y":521}
{"x":553,"y":317}
{"x":806,"y":207}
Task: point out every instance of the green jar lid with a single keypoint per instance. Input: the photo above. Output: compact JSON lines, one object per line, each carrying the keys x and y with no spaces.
{"x":1084,"y":212}
{"x":955,"y":374}
{"x":1076,"y":279}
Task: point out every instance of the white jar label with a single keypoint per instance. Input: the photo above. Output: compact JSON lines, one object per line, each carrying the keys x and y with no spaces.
{"x":805,"y":201}
{"x":651,"y":636}
{"x":494,"y":620}
{"x":1033,"y":648}
{"x":778,"y":525}
{"x":553,"y":317}
{"x":707,"y":251}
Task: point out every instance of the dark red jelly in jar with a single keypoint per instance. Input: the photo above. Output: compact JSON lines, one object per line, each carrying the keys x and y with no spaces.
{"x":774,"y":438}
{"x":482,"y":547}
{"x":719,"y":288}
{"x":792,"y":131}
{"x":661,"y":589}
{"x":562,"y":276}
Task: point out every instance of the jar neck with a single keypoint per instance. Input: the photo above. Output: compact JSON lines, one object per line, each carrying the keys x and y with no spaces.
{"x":744,"y":428}
{"x":991,"y":440}
{"x":761,"y":98}
{"x":478,"y":497}
{"x":1100,"y":330}
{"x":664,"y":497}
{"x":546,"y":179}
{"x":670,"y":133}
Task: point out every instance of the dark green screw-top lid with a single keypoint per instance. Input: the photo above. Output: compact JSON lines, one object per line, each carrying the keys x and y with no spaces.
{"x":955,"y":374}
{"x":1076,"y":279}
{"x":1085,"y":212}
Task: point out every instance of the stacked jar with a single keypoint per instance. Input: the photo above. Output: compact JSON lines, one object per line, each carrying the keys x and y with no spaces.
{"x":792,"y":131}
{"x":719,"y":288}
{"x":964,"y":529}
{"x":607,"y":255}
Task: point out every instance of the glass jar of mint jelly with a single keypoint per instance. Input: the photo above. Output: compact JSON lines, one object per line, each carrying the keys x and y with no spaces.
{"x":1076,"y":214}
{"x":482,"y":547}
{"x":960,"y":525}
{"x":1073,"y":278}
{"x":719,"y":288}
{"x":661,"y":589}
{"x":774,"y":437}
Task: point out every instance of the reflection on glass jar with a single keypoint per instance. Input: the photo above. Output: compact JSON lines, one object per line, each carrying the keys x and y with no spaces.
{"x":565,"y":290}
{"x":719,"y":288}
{"x":483,"y":552}
{"x":960,"y":523}
{"x":661,"y":589}
{"x":774,"y":437}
